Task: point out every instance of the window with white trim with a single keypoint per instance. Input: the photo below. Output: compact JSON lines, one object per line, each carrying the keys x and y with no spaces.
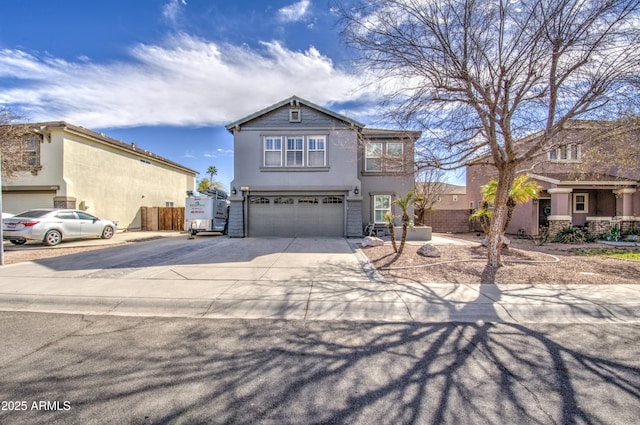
{"x":394,"y":160}
{"x":580,"y":202}
{"x":273,"y":151}
{"x":294,"y":115}
{"x":30,"y":151}
{"x":295,"y":151}
{"x":316,"y":151}
{"x":373,"y":157}
{"x":384,"y":157}
{"x":381,"y":206}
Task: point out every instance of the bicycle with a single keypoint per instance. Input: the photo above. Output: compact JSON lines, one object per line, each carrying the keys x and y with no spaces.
{"x":369,"y":229}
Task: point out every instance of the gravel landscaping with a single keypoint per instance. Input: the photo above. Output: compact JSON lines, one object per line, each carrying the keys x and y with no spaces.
{"x":463,"y":260}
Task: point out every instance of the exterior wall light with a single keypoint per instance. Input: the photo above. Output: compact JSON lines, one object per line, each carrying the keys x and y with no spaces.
{"x":356,"y":190}
{"x":234,"y":191}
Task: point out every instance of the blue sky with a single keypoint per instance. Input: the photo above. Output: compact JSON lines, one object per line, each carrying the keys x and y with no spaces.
{"x":169,"y":74}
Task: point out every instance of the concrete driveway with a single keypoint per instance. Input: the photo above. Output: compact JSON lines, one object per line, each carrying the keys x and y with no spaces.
{"x":285,"y":278}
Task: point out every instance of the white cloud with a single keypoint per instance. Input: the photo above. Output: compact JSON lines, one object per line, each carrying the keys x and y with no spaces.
{"x":294,"y":12}
{"x":171,"y":10}
{"x":185,"y":81}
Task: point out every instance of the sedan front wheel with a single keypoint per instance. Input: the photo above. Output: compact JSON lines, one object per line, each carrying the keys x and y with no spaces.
{"x":107,"y":233}
{"x":53,"y":237}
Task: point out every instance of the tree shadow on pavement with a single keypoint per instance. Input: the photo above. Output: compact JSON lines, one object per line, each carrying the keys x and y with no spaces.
{"x":330,"y":372}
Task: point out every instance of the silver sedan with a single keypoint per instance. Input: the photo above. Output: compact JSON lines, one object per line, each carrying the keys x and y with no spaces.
{"x":53,"y":226}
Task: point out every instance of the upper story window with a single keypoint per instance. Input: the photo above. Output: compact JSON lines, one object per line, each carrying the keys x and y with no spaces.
{"x":384,"y":157}
{"x":273,"y":151}
{"x":30,"y":151}
{"x":299,"y":151}
{"x":294,"y":115}
{"x":295,"y":151}
{"x":373,"y":157}
{"x":566,"y":153}
{"x":316,"y":151}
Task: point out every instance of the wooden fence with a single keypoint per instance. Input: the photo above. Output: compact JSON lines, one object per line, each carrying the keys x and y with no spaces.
{"x":162,"y":218}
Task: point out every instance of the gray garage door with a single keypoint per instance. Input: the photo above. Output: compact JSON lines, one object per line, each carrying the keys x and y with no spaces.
{"x":296,"y":216}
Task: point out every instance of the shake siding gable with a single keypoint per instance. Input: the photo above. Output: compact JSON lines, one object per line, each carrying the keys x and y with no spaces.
{"x":309,"y":119}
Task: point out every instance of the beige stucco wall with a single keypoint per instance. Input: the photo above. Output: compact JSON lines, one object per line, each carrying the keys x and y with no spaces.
{"x":115,"y":184}
{"x":105,"y":181}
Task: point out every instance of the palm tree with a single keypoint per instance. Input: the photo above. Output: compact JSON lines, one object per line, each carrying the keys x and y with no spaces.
{"x":388,"y":217}
{"x":212,"y":171}
{"x":522,"y":191}
{"x":404,"y":203}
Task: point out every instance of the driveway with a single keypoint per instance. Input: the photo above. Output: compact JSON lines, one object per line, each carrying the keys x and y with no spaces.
{"x":285,"y":278}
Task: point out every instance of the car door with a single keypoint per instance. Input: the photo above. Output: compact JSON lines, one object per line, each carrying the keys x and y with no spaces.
{"x":68,"y":222}
{"x":89,"y":224}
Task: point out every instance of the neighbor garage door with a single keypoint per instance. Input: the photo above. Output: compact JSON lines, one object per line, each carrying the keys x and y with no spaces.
{"x":296,"y":216}
{"x":18,"y":202}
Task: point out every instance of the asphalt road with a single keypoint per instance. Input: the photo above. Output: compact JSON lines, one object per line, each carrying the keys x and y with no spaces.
{"x":72,"y":369}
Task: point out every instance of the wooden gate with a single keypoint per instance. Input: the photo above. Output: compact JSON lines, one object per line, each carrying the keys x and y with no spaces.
{"x":162,"y":218}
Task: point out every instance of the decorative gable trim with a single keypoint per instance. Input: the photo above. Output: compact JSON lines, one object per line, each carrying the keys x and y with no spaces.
{"x":294,"y":102}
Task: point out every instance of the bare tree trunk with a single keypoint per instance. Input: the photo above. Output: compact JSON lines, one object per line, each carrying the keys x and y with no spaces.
{"x":506,"y":177}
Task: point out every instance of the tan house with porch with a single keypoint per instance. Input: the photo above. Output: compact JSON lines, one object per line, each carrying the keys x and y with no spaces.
{"x":67,"y":166}
{"x":596,"y":198}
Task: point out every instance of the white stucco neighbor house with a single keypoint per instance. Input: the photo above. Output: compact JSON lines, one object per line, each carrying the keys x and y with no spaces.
{"x":303,"y":170}
{"x":67,"y":166}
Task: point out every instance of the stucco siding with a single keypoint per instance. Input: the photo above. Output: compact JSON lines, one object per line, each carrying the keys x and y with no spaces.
{"x":116,"y":184}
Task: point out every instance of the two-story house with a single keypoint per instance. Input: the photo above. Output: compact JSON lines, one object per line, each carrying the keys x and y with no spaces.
{"x":67,"y":166}
{"x":592,"y":195}
{"x":303,"y":170}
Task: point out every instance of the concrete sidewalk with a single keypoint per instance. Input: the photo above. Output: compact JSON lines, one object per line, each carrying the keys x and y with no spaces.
{"x":292,"y":278}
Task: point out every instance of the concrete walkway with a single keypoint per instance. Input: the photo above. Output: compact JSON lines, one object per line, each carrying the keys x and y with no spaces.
{"x":286,"y":278}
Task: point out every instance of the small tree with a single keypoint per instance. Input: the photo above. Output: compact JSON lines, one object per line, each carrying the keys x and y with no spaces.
{"x":405,"y":203}
{"x":203,"y":185}
{"x":388,"y":218}
{"x":522,"y":191}
{"x":429,"y":188}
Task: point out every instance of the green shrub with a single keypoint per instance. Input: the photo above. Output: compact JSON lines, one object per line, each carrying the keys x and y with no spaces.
{"x":571,"y":235}
{"x":635,"y":230}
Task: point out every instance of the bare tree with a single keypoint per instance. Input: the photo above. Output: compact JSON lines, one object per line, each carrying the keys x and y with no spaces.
{"x":11,"y":151}
{"x":12,"y":138}
{"x":482,"y":75}
{"x":429,"y":189}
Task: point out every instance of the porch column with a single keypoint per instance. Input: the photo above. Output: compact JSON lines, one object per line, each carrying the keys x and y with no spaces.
{"x":626,"y":198}
{"x":560,"y":209}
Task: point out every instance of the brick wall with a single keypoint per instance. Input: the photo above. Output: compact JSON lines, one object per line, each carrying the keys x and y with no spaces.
{"x":444,"y":221}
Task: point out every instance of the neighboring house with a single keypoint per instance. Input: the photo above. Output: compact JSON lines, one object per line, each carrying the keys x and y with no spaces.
{"x":66,"y":166}
{"x":570,"y":196}
{"x":449,"y":212}
{"x":303,"y":170}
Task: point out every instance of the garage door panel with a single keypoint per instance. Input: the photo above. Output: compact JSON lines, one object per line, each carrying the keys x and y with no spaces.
{"x":304,"y":217}
{"x":18,"y":202}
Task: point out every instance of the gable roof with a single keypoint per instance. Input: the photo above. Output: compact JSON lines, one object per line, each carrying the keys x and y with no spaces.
{"x":101,"y":138}
{"x":293,"y":100}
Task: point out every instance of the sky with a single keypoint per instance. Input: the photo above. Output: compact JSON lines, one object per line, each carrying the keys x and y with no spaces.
{"x":168,"y":75}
